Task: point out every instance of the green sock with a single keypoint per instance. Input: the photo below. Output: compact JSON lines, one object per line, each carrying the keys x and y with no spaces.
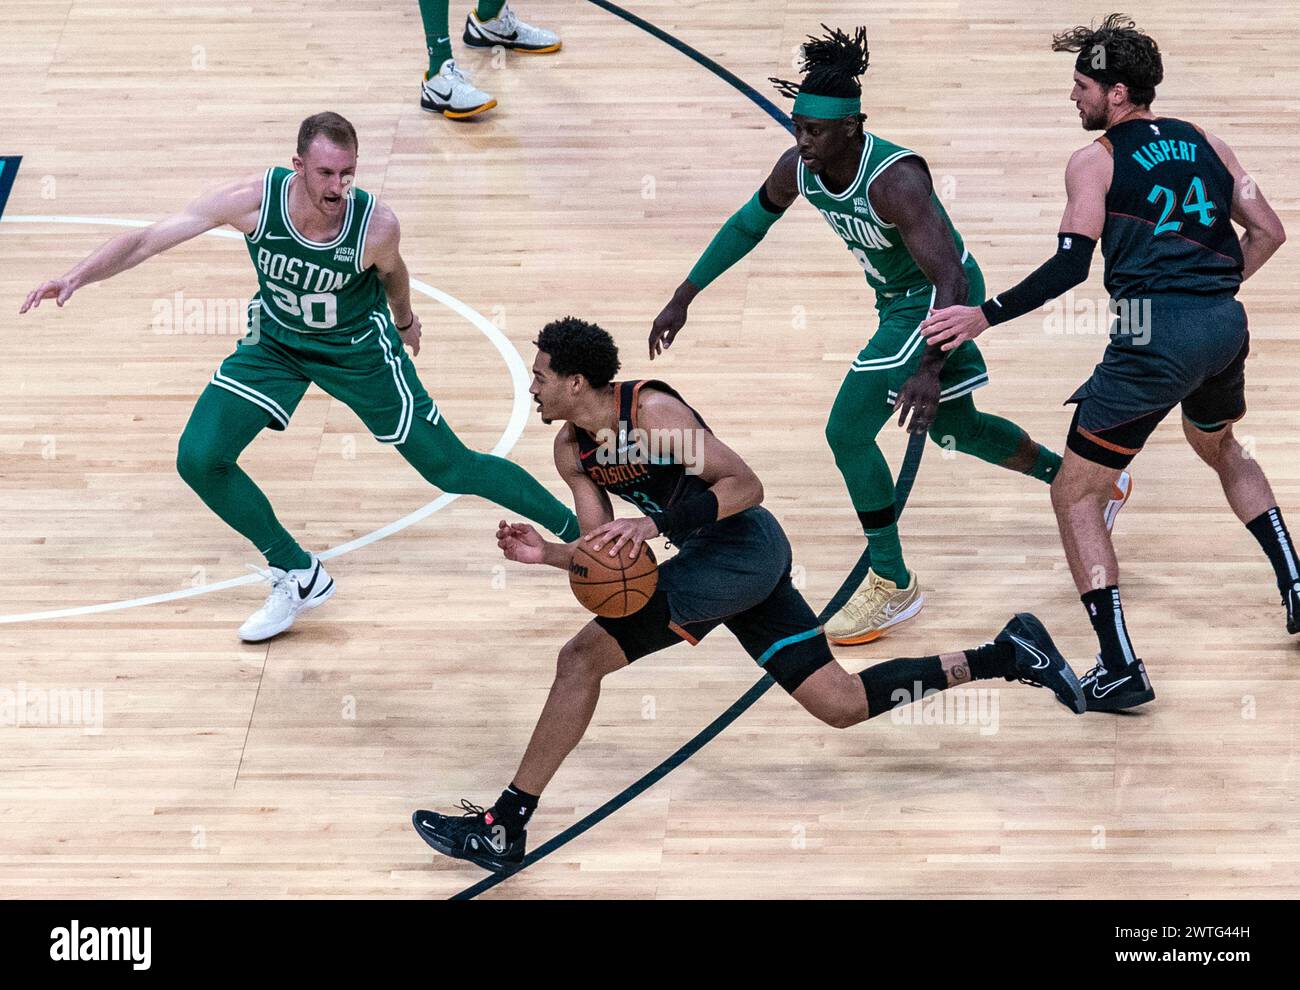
{"x":436,"y":33}
{"x":437,"y":453}
{"x":1046,"y":464}
{"x":887,"y":554}
{"x":488,"y":9}
{"x":220,"y":427}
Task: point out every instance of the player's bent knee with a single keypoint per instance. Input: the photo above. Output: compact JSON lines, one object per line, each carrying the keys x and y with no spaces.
{"x":834,"y":696}
{"x":1210,"y":445}
{"x":839,"y":717}
{"x":574,"y":661}
{"x":836,"y":713}
{"x":196,"y":461}
{"x":589,"y":655}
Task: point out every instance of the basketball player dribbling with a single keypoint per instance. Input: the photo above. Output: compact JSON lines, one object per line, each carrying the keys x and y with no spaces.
{"x":333,"y":307}
{"x":1161,"y":195}
{"x":732,"y":568}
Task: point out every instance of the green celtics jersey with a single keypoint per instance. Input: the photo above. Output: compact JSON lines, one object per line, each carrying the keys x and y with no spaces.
{"x":310,"y":286}
{"x":877,"y":246}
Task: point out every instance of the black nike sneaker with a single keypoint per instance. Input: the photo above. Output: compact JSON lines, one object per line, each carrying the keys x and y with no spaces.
{"x":1117,"y":690}
{"x":472,"y":836}
{"x":1038,"y":662}
{"x":1292,"y":602}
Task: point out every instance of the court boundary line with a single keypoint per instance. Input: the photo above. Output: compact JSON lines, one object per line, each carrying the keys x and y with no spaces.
{"x":514,"y":429}
{"x":902,"y":489}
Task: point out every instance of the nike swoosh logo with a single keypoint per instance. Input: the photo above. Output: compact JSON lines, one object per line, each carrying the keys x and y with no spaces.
{"x":585,"y":454}
{"x":305,"y":593}
{"x":276,"y":237}
{"x":1098,"y":693}
{"x":357,"y":340}
{"x":441,"y":40}
{"x":893,"y":610}
{"x":1036,"y":652}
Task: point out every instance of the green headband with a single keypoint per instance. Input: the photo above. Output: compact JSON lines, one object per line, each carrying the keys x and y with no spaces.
{"x":826,"y":107}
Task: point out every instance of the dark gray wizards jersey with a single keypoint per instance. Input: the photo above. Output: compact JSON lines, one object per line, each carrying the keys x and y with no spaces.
{"x":1168,"y":212}
{"x":630,"y":464}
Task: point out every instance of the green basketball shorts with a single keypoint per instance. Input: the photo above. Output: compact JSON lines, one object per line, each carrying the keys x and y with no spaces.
{"x":895,"y":349}
{"x":369,"y":370}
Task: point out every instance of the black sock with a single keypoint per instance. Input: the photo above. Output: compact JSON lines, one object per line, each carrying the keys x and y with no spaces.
{"x":900,"y":682}
{"x":1269,"y":529}
{"x":990,"y":660}
{"x":1107,"y":617}
{"x":512,"y":810}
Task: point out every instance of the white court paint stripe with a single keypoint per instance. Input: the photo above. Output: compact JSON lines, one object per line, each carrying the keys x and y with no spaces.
{"x":519,"y":382}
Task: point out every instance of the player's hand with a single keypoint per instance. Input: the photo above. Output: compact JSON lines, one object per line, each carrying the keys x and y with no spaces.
{"x":620,"y":531}
{"x":666,"y":326}
{"x":411,"y":335}
{"x":520,"y":542}
{"x":59,"y":289}
{"x":953,"y":326}
{"x":919,"y":396}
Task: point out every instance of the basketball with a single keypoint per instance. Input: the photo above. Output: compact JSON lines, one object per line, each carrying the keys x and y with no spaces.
{"x":613,"y":586}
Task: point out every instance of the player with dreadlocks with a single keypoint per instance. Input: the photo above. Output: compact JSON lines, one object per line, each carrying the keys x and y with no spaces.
{"x":1161,"y":195}
{"x":879,"y":198}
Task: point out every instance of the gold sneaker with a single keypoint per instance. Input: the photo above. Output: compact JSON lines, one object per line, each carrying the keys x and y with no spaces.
{"x":875,"y":608}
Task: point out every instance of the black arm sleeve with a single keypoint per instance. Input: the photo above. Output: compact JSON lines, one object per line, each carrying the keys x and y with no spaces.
{"x":767,"y":204}
{"x":1063,"y":270}
{"x":688,"y":514}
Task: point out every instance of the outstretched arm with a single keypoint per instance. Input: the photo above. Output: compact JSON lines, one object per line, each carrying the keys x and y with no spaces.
{"x":1263,"y":233}
{"x":237,"y":204}
{"x":738,"y":236}
{"x":901,"y":195}
{"x":383,"y":250}
{"x":1087,"y":178}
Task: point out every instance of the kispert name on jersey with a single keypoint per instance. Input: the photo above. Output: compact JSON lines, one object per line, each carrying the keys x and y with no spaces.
{"x":312,"y":286}
{"x":1168,"y":212}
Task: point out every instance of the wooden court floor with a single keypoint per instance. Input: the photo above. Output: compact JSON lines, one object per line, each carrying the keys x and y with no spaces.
{"x":203,"y":767}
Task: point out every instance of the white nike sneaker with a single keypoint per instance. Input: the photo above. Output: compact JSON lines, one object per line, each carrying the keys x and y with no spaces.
{"x":291,"y":592}
{"x":451,"y":94}
{"x":1123,"y":489}
{"x":510,"y":32}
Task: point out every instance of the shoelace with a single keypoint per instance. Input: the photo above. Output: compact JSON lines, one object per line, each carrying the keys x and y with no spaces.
{"x":471,"y":810}
{"x":1096,"y":671}
{"x":508,"y":20}
{"x":453,"y":70}
{"x":874,"y":600}
{"x":279,"y":585}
